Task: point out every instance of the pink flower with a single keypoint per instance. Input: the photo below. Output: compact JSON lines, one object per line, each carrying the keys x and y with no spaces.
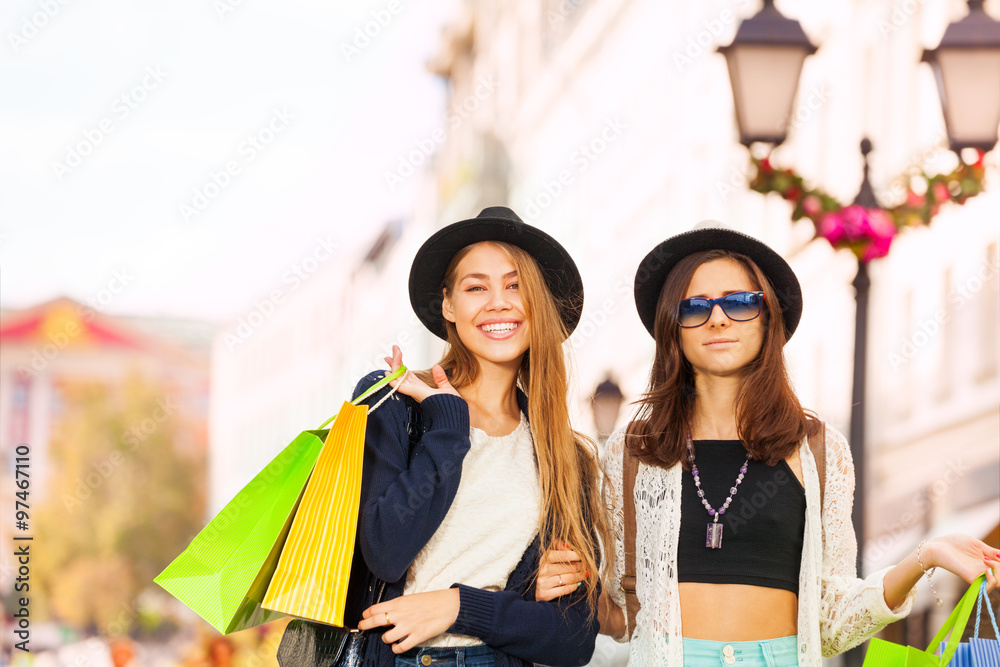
{"x":882,"y":232}
{"x":831,"y":227}
{"x":812,"y":205}
{"x":941,"y":192}
{"x":867,"y":232}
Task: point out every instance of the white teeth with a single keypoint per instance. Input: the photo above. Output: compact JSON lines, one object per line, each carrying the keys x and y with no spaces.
{"x":505,"y":327}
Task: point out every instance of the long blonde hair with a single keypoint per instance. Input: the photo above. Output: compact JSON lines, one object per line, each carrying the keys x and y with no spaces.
{"x":573,"y":510}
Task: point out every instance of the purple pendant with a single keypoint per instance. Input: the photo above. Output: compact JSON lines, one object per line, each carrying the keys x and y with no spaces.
{"x":713,"y":536}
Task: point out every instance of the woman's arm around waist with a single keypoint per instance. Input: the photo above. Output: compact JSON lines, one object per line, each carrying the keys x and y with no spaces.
{"x":559,"y":632}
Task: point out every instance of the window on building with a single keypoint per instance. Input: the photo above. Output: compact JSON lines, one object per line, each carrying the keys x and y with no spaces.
{"x":945,"y":326}
{"x":20,"y":409}
{"x":989,"y":310}
{"x":904,"y":359}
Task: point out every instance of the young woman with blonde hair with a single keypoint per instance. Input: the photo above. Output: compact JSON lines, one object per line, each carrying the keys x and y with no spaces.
{"x":460,"y":491}
{"x":739,"y":554}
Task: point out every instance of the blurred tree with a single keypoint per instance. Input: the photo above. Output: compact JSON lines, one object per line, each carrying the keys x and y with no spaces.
{"x":123,"y":501}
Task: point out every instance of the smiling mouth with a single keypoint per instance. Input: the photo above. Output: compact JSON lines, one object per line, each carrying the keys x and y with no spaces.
{"x":499,"y":329}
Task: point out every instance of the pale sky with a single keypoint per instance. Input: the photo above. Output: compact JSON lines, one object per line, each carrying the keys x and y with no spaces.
{"x":119,"y":119}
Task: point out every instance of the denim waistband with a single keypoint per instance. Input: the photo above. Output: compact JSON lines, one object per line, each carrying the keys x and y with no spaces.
{"x":779,"y":652}
{"x":445,"y":656}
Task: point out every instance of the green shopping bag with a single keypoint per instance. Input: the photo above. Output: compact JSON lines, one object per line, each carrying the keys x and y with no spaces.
{"x":225,"y":571}
{"x":886,"y":654}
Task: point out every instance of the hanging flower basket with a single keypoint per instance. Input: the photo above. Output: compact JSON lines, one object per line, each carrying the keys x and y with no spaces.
{"x":868,"y":232}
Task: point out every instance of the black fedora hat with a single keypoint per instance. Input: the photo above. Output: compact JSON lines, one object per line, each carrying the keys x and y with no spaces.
{"x":495,"y":223}
{"x":655,"y":267}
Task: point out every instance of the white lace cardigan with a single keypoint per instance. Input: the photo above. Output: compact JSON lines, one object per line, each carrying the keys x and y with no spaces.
{"x":836,"y":609}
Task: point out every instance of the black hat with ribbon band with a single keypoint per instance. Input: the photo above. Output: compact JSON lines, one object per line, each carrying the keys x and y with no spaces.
{"x":655,"y":267}
{"x":496,"y":223}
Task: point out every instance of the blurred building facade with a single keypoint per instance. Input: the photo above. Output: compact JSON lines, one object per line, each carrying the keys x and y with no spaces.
{"x":61,"y":342}
{"x":47,"y":349}
{"x":610,"y":124}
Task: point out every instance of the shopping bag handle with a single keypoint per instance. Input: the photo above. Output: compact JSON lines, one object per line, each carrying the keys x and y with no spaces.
{"x":957,"y":621}
{"x":989,"y":608}
{"x":371,"y":390}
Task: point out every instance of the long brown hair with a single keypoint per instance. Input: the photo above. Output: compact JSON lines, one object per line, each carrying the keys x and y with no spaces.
{"x":770,"y":420}
{"x":573,"y":509}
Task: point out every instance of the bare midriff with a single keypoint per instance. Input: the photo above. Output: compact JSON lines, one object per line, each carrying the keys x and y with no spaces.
{"x":736,"y":612}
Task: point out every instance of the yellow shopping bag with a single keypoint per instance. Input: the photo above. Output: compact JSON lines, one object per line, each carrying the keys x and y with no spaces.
{"x":312,"y":574}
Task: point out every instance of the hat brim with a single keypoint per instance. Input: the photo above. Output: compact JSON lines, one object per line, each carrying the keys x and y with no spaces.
{"x":656,"y":266}
{"x":429,"y":264}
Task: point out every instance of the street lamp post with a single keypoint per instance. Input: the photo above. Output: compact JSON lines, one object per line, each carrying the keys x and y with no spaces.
{"x":765,"y":61}
{"x":862,"y":284}
{"x":964,"y":64}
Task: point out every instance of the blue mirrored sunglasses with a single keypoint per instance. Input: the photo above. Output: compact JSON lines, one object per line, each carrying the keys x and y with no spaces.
{"x":738,"y":306}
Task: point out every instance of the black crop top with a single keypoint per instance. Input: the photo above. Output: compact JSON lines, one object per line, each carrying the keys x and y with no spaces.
{"x":764,"y":525}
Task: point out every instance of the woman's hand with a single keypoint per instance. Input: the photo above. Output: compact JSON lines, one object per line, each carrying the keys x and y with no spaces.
{"x":415,"y":618}
{"x":559,"y":573}
{"x":411,"y":385}
{"x":963,"y":555}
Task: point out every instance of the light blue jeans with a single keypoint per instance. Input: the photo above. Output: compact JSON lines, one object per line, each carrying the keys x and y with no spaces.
{"x":780,"y":652}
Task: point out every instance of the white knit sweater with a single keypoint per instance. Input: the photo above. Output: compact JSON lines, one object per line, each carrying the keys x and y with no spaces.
{"x":491,"y":521}
{"x":836,"y":609}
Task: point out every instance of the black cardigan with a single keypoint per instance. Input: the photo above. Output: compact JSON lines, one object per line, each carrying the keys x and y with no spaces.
{"x":404,"y":497}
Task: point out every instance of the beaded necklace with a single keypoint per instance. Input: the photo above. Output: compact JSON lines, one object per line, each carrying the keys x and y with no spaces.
{"x":713,"y":534}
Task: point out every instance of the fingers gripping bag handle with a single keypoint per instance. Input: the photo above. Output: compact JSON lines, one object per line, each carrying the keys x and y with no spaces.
{"x":399,"y":372}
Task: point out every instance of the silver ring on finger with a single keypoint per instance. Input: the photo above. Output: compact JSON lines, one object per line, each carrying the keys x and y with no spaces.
{"x":559,"y":579}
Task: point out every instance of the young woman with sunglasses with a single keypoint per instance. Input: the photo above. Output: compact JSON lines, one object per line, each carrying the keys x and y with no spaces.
{"x":455,"y":525}
{"x":739,"y":555}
